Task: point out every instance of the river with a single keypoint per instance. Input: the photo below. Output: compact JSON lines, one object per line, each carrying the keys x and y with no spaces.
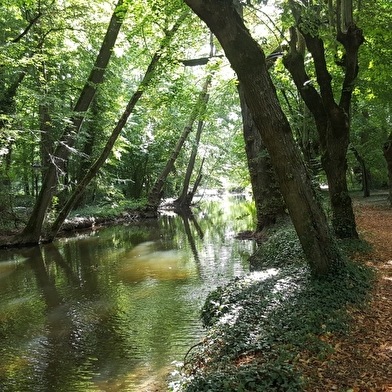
{"x":115,"y":308}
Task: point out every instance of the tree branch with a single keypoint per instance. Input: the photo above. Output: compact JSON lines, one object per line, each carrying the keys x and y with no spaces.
{"x":27,"y":29}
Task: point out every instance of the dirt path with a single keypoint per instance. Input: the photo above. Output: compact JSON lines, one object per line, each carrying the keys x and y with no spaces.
{"x":362,"y":362}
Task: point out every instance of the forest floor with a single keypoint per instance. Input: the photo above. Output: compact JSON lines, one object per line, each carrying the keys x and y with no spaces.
{"x":362,"y":361}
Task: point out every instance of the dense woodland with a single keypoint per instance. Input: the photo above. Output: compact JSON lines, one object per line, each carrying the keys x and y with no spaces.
{"x":105,"y":104}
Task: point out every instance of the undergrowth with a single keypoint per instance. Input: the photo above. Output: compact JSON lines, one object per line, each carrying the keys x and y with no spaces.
{"x":109,"y":209}
{"x":258,"y":325}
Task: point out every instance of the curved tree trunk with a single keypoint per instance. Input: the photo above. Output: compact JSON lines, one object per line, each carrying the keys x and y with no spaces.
{"x":248,"y":61}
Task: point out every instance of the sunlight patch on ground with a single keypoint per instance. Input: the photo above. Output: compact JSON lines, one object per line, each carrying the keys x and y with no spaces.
{"x":261,"y":275}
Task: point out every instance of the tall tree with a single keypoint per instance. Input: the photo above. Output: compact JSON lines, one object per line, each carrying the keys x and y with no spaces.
{"x":155,"y":195}
{"x":248,"y":61}
{"x":32,"y":232}
{"x":185,"y":199}
{"x":93,"y":170}
{"x":265,"y":188}
{"x":332,"y":118}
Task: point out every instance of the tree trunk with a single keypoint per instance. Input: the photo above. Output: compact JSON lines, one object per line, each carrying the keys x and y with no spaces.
{"x":45,"y":123}
{"x":91,"y":135}
{"x":332,"y":122}
{"x":364,"y":172}
{"x":387,"y":150}
{"x":155,"y":195}
{"x":32,"y":232}
{"x":265,"y":188}
{"x":196,"y":184}
{"x":80,"y":189}
{"x":184,"y":201}
{"x":248,"y":61}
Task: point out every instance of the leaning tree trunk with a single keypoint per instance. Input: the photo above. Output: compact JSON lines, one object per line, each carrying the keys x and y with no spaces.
{"x":156,"y":193}
{"x":32,"y":232}
{"x":81,"y":187}
{"x":184,"y":200}
{"x":248,"y":61}
{"x":265,"y":188}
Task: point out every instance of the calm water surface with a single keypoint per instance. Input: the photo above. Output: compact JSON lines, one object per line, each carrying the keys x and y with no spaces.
{"x":112,"y":309}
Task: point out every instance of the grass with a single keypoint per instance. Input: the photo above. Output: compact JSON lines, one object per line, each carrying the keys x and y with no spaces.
{"x":258,"y":326}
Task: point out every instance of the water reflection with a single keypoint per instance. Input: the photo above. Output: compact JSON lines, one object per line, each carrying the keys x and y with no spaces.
{"x":110,"y":309}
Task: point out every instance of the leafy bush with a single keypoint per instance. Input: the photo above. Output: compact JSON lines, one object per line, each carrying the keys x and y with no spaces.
{"x":109,"y":210}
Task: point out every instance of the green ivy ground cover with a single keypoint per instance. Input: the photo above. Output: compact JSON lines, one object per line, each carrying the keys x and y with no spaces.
{"x":257,"y":325}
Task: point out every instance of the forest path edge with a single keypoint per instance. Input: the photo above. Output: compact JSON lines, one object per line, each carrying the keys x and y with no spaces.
{"x":362,"y":361}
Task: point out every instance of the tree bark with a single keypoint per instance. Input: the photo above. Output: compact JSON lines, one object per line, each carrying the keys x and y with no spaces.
{"x":32,"y":232}
{"x":265,"y":188}
{"x":332,"y":120}
{"x":248,"y":61}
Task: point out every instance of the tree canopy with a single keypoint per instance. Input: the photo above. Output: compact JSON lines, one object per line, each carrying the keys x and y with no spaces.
{"x":48,"y":50}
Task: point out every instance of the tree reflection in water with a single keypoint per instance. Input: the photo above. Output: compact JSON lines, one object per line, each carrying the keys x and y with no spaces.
{"x":111,"y":309}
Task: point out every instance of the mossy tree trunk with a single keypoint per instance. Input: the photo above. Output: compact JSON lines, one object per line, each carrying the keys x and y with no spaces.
{"x":265,"y":188}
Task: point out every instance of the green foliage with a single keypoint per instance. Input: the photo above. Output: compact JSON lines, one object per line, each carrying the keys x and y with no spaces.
{"x":259,"y":325}
{"x":54,"y":57}
{"x":109,"y":209}
{"x":14,"y":210}
{"x":283,"y":246}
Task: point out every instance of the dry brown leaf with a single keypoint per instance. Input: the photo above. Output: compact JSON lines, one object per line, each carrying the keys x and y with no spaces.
{"x":362,"y":362}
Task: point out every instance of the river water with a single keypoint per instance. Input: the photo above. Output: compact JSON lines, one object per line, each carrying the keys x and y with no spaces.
{"x":113,"y":309}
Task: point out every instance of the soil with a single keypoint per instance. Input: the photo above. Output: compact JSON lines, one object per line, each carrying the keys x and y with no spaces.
{"x":362,"y":361}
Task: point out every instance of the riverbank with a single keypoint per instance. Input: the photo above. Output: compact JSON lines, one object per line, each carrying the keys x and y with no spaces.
{"x":86,"y":218}
{"x":279,"y":331}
